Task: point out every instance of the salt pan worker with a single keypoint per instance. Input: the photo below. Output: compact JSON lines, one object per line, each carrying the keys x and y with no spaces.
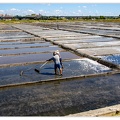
{"x":58,"y":53}
{"x":57,"y":62}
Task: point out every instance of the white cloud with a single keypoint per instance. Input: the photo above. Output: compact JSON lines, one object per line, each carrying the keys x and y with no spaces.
{"x":89,"y":11}
{"x":58,"y":12}
{"x":74,"y":13}
{"x":1,"y":11}
{"x":27,"y":12}
{"x":42,"y":12}
{"x":13,"y":9}
{"x":79,"y":11}
{"x":84,"y":6}
{"x":31,"y":11}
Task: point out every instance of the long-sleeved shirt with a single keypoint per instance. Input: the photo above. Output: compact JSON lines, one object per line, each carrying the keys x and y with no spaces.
{"x":56,"y":59}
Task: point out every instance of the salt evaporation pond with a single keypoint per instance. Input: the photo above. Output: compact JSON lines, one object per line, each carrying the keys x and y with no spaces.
{"x":6,"y":27}
{"x":71,"y":68}
{"x":83,"y":40}
{"x":112,"y":58}
{"x":60,"y":98}
{"x":98,"y":31}
{"x":26,"y":58}
{"x":29,"y":50}
{"x":15,"y":45}
{"x":13,"y":35}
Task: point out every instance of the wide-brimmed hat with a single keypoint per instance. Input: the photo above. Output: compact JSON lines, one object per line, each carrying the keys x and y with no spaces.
{"x":57,"y":51}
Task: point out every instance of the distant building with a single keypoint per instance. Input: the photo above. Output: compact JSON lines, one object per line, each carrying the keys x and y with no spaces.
{"x":1,"y":15}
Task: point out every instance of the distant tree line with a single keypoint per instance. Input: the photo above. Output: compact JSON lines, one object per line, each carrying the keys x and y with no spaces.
{"x":40,"y":17}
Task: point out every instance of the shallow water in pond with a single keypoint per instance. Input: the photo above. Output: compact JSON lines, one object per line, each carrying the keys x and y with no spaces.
{"x":34,"y":57}
{"x":10,"y":35}
{"x":29,"y":50}
{"x":60,"y":98}
{"x":71,"y":68}
{"x":16,"y":37}
{"x":112,"y":58}
{"x":22,"y":45}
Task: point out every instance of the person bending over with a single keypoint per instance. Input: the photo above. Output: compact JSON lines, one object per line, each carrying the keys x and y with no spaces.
{"x":57,"y":63}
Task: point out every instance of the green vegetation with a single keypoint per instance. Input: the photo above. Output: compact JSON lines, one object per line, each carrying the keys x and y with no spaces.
{"x":34,"y":19}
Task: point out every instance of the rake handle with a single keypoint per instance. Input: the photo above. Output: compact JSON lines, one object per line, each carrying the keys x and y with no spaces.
{"x":43,"y":64}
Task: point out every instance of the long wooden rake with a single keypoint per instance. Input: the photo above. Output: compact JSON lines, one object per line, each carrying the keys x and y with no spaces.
{"x":38,"y":71}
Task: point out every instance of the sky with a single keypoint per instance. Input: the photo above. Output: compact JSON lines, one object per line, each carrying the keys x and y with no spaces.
{"x":61,"y":9}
